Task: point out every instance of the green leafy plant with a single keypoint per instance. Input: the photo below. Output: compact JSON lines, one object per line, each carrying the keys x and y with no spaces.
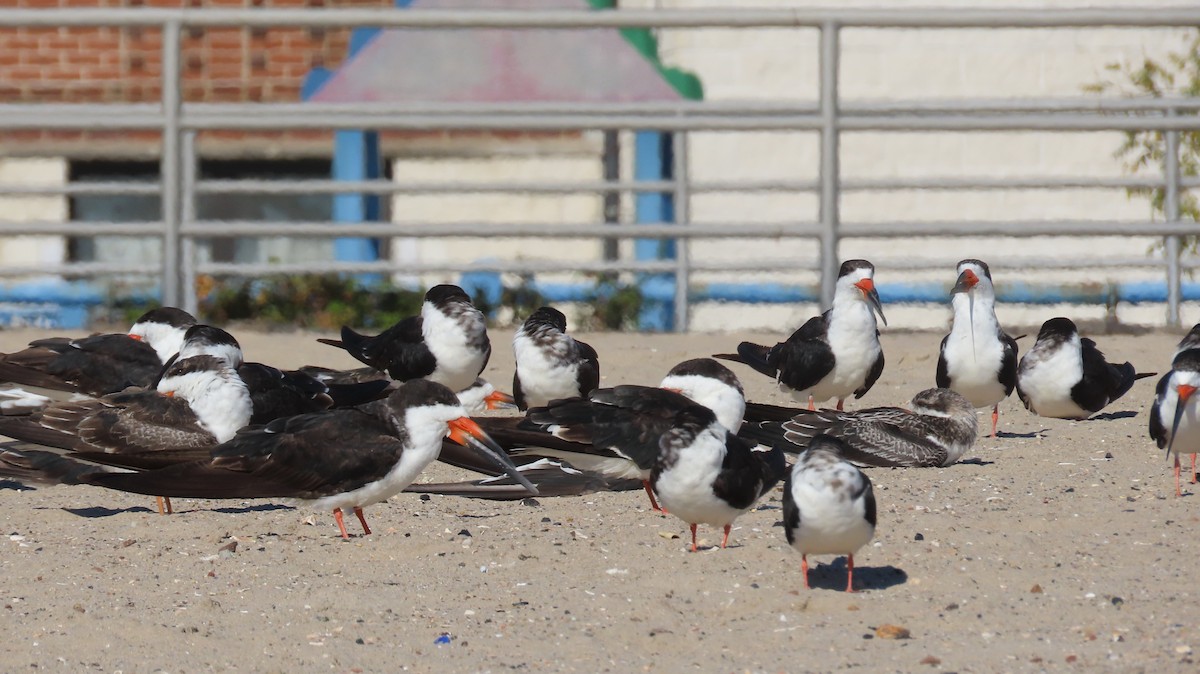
{"x":616,"y":306}
{"x":1176,"y":74}
{"x":309,"y":301}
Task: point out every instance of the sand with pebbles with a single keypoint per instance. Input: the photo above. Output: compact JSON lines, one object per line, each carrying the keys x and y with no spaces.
{"x":1059,"y":546}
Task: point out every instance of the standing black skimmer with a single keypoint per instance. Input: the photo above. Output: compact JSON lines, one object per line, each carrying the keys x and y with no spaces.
{"x":834,"y":354}
{"x":615,"y":432}
{"x":336,"y":460}
{"x":704,"y":474}
{"x":101,"y":364}
{"x":977,"y":359}
{"x":1065,"y":376}
{"x":1174,"y":399}
{"x":828,"y":505}
{"x":937,"y":431}
{"x":447,"y":343}
{"x":550,"y":363}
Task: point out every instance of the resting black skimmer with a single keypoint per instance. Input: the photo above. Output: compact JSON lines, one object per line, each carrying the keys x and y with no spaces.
{"x":834,"y":354}
{"x":1065,"y":376}
{"x":937,"y":431}
{"x":1174,"y":400}
{"x":551,"y":477}
{"x":447,"y":343}
{"x":977,"y":359}
{"x":550,"y":363}
{"x":1190,"y":341}
{"x":615,"y":432}
{"x":342,"y":459}
{"x":100,"y":364}
{"x":704,"y":474}
{"x":828,"y":505}
{"x":277,"y":393}
{"x":479,"y":396}
{"x":200,"y":402}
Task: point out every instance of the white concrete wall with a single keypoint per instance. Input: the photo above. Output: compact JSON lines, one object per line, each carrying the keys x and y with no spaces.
{"x":913,"y":65}
{"x":32,"y":251}
{"x":577,"y":161}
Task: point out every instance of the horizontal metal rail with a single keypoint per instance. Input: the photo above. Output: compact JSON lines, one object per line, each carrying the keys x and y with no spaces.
{"x":703,"y":230}
{"x":929,"y":18}
{"x":830,"y":117}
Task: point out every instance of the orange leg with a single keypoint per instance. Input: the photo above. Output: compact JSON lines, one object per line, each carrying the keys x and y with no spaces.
{"x":811,"y":404}
{"x":725,"y":539}
{"x":653,"y":503}
{"x":164,"y":505}
{"x":804,"y":569}
{"x":694,"y":548}
{"x":366,"y":529}
{"x":995,"y":418}
{"x":850,"y":573}
{"x":1178,"y":491}
{"x":337,"y":515}
{"x":841,"y":406}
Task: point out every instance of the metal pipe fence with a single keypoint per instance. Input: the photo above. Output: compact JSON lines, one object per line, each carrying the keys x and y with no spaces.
{"x":829,"y":117}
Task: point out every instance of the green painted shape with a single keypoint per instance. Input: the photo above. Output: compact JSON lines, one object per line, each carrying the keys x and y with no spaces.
{"x":687,"y":84}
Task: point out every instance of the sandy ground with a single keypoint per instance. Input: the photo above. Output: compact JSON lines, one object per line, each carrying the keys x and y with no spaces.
{"x":1059,"y":546}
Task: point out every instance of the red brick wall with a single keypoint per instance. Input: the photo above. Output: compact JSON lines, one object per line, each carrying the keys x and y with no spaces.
{"x":123,"y":65}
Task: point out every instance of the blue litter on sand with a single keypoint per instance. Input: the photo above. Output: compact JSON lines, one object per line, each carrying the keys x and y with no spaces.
{"x":443,"y":638}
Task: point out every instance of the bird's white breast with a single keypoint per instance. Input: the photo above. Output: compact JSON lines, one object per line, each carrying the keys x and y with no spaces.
{"x":1047,"y":376}
{"x":458,"y":362}
{"x":855,"y":345}
{"x":973,"y":363}
{"x":546,"y":375}
{"x":831,"y":520}
{"x":686,"y":488}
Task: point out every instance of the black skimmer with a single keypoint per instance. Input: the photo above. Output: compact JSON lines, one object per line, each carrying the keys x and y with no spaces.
{"x":1190,"y":341}
{"x":480,"y":395}
{"x":704,"y":474}
{"x":834,"y":354}
{"x":100,"y":364}
{"x":551,"y":477}
{"x":937,"y":431}
{"x":342,"y":459}
{"x":1174,"y":399}
{"x":1064,"y":376}
{"x":277,"y":393}
{"x":977,"y":359}
{"x":447,"y":343}
{"x":200,"y":402}
{"x":828,"y":505}
{"x":550,"y":363}
{"x":614,"y":432}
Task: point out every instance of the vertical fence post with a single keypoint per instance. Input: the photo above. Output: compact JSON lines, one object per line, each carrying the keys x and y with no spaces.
{"x":170,"y":164}
{"x":187,"y":215}
{"x":829,"y":161}
{"x":1171,"y":211}
{"x":683,"y":217}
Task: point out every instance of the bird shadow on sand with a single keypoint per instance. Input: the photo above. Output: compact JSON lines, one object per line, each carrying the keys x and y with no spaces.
{"x":833,"y":576}
{"x":1027,"y":436}
{"x":13,"y":485}
{"x":976,"y":461}
{"x":1126,"y":414}
{"x":260,"y":508}
{"x":100,"y":511}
